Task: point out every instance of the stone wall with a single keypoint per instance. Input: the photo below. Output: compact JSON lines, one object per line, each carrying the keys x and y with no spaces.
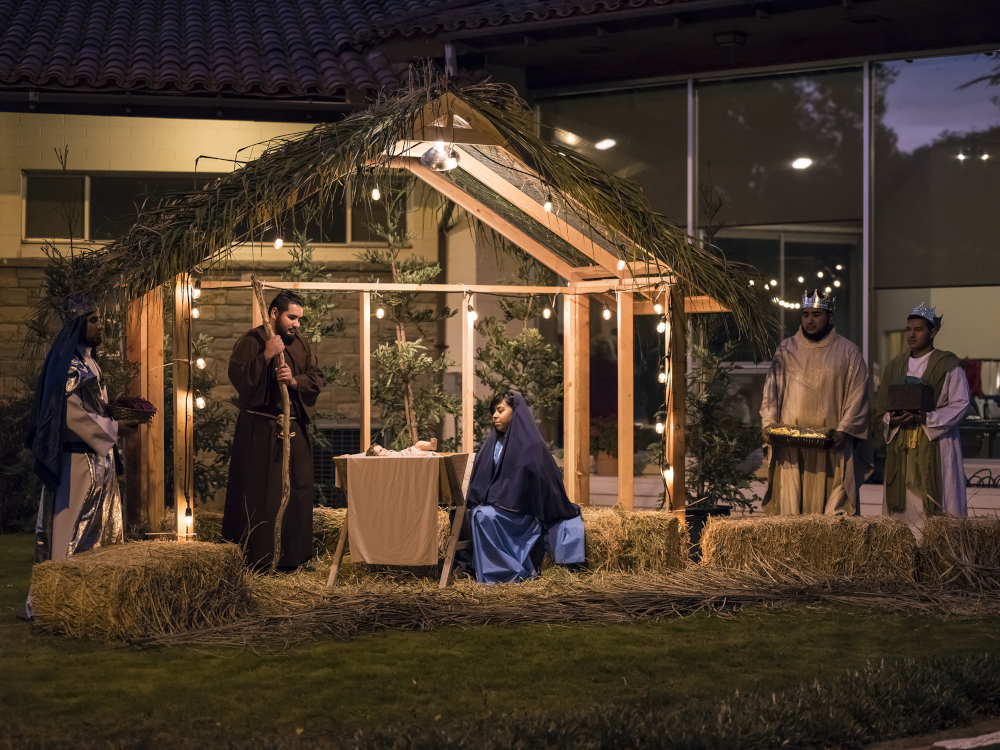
{"x":21,"y":287}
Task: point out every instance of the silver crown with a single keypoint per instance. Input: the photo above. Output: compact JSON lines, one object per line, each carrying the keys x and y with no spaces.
{"x":925,"y":311}
{"x":76,"y":305}
{"x":818,"y":300}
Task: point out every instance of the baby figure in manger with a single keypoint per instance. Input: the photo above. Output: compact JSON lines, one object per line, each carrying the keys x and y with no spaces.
{"x":422,"y":448}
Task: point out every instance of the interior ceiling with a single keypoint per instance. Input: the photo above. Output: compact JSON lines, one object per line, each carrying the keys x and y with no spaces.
{"x":671,"y":40}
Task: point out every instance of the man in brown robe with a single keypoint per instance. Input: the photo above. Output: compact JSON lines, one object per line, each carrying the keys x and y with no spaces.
{"x":253,"y":494}
{"x":817,"y":379}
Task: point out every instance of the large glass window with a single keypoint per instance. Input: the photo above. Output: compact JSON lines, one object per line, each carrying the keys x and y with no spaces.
{"x":638,"y":135}
{"x":780,"y":185}
{"x":54,"y":206}
{"x":117,"y":199}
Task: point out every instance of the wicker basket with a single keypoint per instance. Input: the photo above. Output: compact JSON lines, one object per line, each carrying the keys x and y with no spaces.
{"x":821,"y":439}
{"x":124,"y":413}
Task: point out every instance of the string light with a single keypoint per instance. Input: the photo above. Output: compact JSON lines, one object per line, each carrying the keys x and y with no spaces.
{"x":663,"y":377}
{"x":621,"y":265}
{"x":751,"y":282}
{"x":661,"y":326}
{"x":546,"y":313}
{"x":819,"y":274}
{"x":380,"y":313}
{"x":375,"y":193}
{"x":188,"y":518}
{"x":774,"y":282}
{"x":196,"y":289}
{"x":659,"y":428}
{"x":840,"y":267}
{"x":668,"y":474}
{"x":195,"y":312}
{"x":836,"y":283}
{"x":802,"y":279}
{"x":828,"y":290}
{"x":200,"y":362}
{"x":961,"y":157}
{"x":200,"y":402}
{"x":548,"y":206}
{"x":473,"y":315}
{"x":606,"y":313}
{"x":658,"y":308}
{"x":278,"y":243}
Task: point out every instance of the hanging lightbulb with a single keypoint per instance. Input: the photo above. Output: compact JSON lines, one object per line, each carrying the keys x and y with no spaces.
{"x":278,"y":243}
{"x":473,"y":315}
{"x":659,"y":428}
{"x":802,"y":279}
{"x":195,"y":312}
{"x":668,"y":474}
{"x":828,"y":290}
{"x":196,"y":289}
{"x":200,"y":362}
{"x":621,"y":265}
{"x":840,"y":267}
{"x":819,"y":274}
{"x":661,"y":326}
{"x":548,"y":207}
{"x":836,"y":283}
{"x":200,"y":402}
{"x":663,"y":376}
{"x":440,"y":158}
{"x":751,"y":282}
{"x":380,"y":313}
{"x":658,"y":308}
{"x":188,"y":518}
{"x":606,"y":313}
{"x":375,"y":193}
{"x":546,"y":313}
{"x":774,"y":282}
{"x":767,"y":286}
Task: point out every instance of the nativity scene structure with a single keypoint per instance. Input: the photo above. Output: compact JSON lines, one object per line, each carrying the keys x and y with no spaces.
{"x":479,"y":149}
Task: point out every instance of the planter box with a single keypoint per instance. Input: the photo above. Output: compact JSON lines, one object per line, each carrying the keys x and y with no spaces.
{"x":696,"y":520}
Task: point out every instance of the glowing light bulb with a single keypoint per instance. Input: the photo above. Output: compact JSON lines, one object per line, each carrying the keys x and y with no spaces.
{"x":828,"y":290}
{"x":605,"y":144}
{"x":188,"y":518}
{"x":663,"y":377}
{"x":668,"y":474}
{"x":196,"y":292}
{"x":658,"y":308}
{"x":546,"y":313}
{"x":819,"y":274}
{"x":473,"y":315}
{"x":961,"y":157}
{"x":802,"y":162}
{"x":376,"y":194}
{"x":200,"y":402}
{"x":621,"y":265}
{"x":836,"y":283}
{"x":606,"y":313}
{"x":802,"y":279}
{"x":659,"y":428}
{"x":195,"y":312}
{"x":200,"y":362}
{"x":984,"y":157}
{"x":278,"y":243}
{"x":661,"y":326}
{"x":548,"y":207}
{"x":840,"y":267}
{"x":774,"y":282}
{"x":751,"y":282}
{"x":380,"y":313}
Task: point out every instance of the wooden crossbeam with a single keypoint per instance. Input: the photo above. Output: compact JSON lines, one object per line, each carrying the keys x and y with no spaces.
{"x":699,"y":304}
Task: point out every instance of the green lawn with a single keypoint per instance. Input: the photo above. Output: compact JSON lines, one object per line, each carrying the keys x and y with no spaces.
{"x":55,"y":691}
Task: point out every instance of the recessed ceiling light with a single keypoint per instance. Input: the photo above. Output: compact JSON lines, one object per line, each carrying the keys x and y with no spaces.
{"x":605,"y":144}
{"x":802,"y":162}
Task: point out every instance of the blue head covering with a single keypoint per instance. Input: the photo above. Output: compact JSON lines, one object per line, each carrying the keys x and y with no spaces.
{"x":525,"y":478}
{"x":48,"y":415}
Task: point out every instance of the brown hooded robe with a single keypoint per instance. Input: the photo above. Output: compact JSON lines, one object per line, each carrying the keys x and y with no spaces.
{"x":253,"y":494}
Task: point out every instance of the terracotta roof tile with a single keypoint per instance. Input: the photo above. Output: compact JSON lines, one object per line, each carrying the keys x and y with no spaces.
{"x":298,"y":47}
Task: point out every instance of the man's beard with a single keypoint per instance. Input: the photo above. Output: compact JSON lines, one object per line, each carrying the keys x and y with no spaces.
{"x":819,"y":335}
{"x":287,"y":336}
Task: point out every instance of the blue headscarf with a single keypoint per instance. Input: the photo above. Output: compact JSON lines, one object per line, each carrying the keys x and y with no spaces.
{"x":48,"y":416}
{"x":526,"y":478}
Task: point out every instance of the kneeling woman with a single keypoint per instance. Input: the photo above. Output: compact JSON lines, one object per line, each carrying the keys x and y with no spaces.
{"x":517,"y":498}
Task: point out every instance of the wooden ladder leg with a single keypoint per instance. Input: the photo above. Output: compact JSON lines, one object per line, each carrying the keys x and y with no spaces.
{"x":456,"y":531}
{"x":338,"y":556}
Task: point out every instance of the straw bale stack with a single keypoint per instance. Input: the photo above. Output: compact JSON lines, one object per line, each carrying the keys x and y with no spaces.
{"x":961,"y":550}
{"x":208,"y":526}
{"x":620,"y":541}
{"x":141,"y":589}
{"x":869,"y":548}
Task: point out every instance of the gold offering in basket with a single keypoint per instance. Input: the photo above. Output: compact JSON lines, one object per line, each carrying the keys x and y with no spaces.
{"x":800,"y":436}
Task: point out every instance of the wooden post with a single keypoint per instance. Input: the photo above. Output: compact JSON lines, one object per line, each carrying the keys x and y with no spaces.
{"x":626,"y":409}
{"x":183,"y":408}
{"x":678,"y":398}
{"x":153,"y":498}
{"x":582,"y":303}
{"x":135,"y":353}
{"x":365,"y":371}
{"x":468,"y":372}
{"x":571,"y":454}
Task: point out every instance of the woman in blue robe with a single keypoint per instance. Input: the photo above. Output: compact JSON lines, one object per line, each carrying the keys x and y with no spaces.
{"x":517,"y":498}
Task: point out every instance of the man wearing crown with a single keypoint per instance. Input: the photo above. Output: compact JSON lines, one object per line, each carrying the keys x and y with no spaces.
{"x":924,"y":471}
{"x":817,"y":379}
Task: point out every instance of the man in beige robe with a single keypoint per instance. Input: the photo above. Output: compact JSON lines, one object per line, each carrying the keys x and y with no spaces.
{"x":817,"y":379}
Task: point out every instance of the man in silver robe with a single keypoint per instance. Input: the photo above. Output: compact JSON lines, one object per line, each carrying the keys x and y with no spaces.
{"x":74,"y":442}
{"x":817,"y":379}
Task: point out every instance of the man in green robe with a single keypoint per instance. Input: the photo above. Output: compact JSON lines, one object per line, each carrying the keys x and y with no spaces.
{"x":924,"y":471}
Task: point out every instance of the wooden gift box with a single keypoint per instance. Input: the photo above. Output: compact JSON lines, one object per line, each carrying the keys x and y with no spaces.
{"x":911,"y":397}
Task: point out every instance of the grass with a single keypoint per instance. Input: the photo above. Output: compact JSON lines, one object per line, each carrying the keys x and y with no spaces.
{"x":55,"y":691}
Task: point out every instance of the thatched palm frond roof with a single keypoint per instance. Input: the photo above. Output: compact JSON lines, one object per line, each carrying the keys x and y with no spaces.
{"x":199,"y":228}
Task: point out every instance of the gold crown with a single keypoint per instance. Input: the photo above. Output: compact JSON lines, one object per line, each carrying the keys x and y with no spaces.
{"x":818,"y":300}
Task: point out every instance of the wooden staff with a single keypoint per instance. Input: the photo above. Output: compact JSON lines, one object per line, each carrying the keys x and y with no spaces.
{"x":286,"y":434}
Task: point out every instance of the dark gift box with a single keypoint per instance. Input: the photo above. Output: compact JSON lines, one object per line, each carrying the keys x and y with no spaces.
{"x":911,"y":396}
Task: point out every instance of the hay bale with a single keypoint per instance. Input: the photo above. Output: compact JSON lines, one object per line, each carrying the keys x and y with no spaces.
{"x":208,"y":526}
{"x":141,"y":589}
{"x":620,"y":541}
{"x":961,"y":550}
{"x":327,"y":523}
{"x":873,"y":548}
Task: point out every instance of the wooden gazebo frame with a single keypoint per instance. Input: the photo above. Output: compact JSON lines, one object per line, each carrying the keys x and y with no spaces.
{"x":500,"y":191}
